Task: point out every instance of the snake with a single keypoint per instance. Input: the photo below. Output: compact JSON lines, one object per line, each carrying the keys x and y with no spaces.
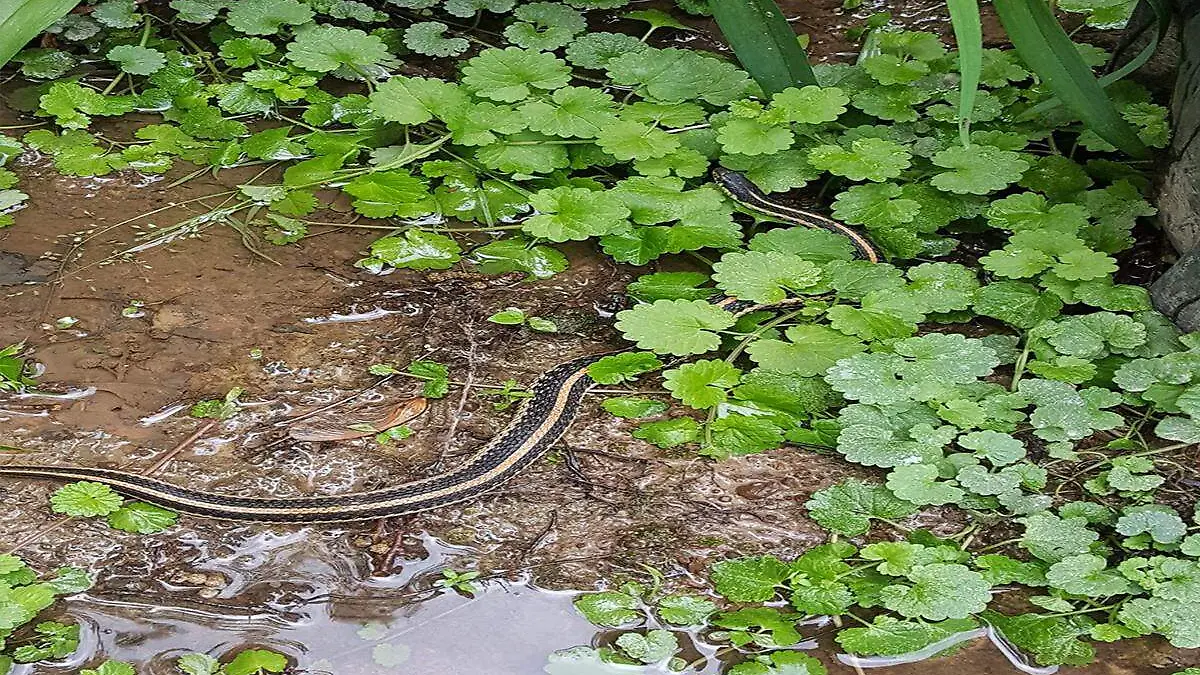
{"x":555,"y":400}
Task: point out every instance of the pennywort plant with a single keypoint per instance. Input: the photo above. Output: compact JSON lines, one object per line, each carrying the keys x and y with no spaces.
{"x":23,"y":595}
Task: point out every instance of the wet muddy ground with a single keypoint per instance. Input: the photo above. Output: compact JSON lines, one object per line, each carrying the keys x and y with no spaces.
{"x":301,"y":334}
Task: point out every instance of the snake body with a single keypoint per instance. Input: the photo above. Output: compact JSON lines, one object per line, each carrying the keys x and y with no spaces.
{"x":542,"y":419}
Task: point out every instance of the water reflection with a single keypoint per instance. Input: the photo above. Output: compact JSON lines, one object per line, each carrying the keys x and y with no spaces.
{"x":296,"y":594}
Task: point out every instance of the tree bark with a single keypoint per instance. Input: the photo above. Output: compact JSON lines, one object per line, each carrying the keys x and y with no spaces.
{"x":1177,"y":292}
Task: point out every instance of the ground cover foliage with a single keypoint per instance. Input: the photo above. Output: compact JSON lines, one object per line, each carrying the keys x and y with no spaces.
{"x":993,"y":364}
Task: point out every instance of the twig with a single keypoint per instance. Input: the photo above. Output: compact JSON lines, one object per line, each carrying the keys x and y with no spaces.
{"x":397,"y":540}
{"x":462,"y":399}
{"x":541,"y":538}
{"x":174,"y":452}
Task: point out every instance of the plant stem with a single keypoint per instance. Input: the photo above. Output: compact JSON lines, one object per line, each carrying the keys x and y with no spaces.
{"x":1019,"y":366}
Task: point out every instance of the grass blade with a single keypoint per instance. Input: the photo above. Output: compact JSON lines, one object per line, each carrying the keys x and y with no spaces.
{"x":1044,"y":46}
{"x":764,"y":43}
{"x":968,"y":35}
{"x":1162,"y":15}
{"x":20,"y":22}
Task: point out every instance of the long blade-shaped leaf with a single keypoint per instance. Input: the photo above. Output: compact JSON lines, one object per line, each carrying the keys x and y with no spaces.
{"x":1162,"y":18}
{"x":968,"y":35}
{"x":20,"y":22}
{"x":1044,"y":46}
{"x":764,"y":43}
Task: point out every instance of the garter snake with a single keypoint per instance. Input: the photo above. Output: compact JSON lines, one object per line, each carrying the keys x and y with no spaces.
{"x":556,"y":397}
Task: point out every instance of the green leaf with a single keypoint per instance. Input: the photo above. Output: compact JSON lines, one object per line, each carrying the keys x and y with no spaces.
{"x":609,"y":608}
{"x":875,"y":205}
{"x":414,"y":100}
{"x":810,"y":104}
{"x":567,"y":213}
{"x":512,"y":74}
{"x":977,"y":170}
{"x":117,"y":13}
{"x":518,"y":255}
{"x":624,"y":367}
{"x":85,"y":499}
{"x":110,"y":668}
{"x":1179,"y":621}
{"x":676,"y":75}
{"x":595,"y":50}
{"x":70,"y":104}
{"x":571,"y":112}
{"x":849,"y":506}
{"x":939,"y":591}
{"x":627,"y":140}
{"x":812,"y":350}
{"x":1000,"y":569}
{"x":509,"y":317}
{"x":873,"y":159}
{"x":413,"y":249}
{"x":781,"y":663}
{"x":770,"y":626}
{"x":634,"y":407}
{"x":198,"y":664}
{"x":436,"y":376}
{"x":889,"y":636}
{"x":998,"y":448}
{"x":891,"y":102}
{"x":750,"y":579}
{"x":1052,"y":538}
{"x":779,"y":172}
{"x":764,"y":277}
{"x":1016,"y":303}
{"x":921,"y":368}
{"x":891,"y":69}
{"x":894,"y":435}
{"x":137,"y":60}
{"x":678,"y":327}
{"x":1162,"y":523}
{"x":1086,"y":575}
{"x":654,"y":646}
{"x":764,"y":43}
{"x":394,"y":193}
{"x":266,"y":17}
{"x":753,"y":137}
{"x":142,"y":518}
{"x":1064,"y":414}
{"x":736,"y":435}
{"x":670,"y":286}
{"x":1182,"y":429}
{"x":685,"y":610}
{"x":242,"y":52}
{"x":429,"y":38}
{"x":582,"y":661}
{"x":1050,"y":640}
{"x":327,"y":48}
{"x":702,"y":384}
{"x":542,"y":325}
{"x":918,"y":484}
{"x":255,"y":662}
{"x":544,"y":25}
{"x":669,"y":433}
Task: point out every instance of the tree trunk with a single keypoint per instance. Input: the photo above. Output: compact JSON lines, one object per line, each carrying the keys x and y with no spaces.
{"x":1177,"y":293}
